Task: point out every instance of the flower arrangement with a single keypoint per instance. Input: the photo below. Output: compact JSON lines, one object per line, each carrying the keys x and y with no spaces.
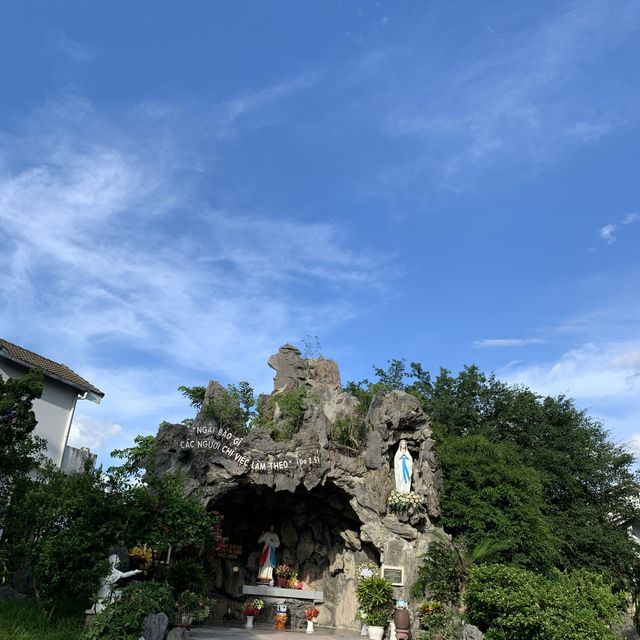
{"x":282,"y":571}
{"x":293,"y":583}
{"x":191,"y":606}
{"x":143,"y":556}
{"x":368,"y":569}
{"x":253,"y":607}
{"x":404,"y":502}
{"x":311,"y":613}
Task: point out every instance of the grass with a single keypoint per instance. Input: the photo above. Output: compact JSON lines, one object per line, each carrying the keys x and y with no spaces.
{"x":22,"y":620}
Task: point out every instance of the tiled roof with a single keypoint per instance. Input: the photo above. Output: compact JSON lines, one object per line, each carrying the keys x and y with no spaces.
{"x":49,"y":367}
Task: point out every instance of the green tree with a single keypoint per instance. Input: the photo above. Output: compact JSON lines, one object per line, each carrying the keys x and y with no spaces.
{"x":20,"y":450}
{"x":588,"y":483}
{"x":489,"y":495}
{"x":158,"y":511}
{"x":195,"y":395}
{"x":62,"y":526}
{"x":17,"y":422}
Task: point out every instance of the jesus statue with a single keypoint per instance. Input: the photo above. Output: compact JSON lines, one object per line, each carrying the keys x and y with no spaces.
{"x":403,"y":468}
{"x":267,"y":559}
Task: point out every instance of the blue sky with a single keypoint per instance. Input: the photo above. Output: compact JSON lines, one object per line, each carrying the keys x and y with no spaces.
{"x":186,"y":186}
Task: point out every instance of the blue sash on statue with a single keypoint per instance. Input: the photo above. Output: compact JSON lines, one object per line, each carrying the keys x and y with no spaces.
{"x":272,"y":555}
{"x":406,"y":476}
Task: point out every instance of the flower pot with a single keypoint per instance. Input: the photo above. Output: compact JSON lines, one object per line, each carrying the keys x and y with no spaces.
{"x":309,"y":626}
{"x":376,"y":633}
{"x":401,"y":619}
{"x":281,"y":621}
{"x":282,"y":583}
{"x":249,"y":624}
{"x":364,"y":631}
{"x":186,"y":619}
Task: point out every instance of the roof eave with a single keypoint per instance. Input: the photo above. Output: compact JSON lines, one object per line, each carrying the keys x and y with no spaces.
{"x":90,"y":393}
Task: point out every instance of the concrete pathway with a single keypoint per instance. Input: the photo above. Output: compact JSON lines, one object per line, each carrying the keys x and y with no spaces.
{"x":267,"y":633}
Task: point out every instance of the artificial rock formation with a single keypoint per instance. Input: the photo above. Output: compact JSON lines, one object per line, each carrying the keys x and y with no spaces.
{"x":328,"y":508}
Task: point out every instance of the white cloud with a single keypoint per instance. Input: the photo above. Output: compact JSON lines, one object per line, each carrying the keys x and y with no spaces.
{"x":506,"y":342}
{"x":634,"y":444}
{"x":591,"y":372}
{"x":518,"y":108}
{"x":106,"y":258}
{"x":606,"y":233}
{"x":87,"y":432}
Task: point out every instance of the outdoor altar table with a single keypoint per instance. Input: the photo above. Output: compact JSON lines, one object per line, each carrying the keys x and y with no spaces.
{"x":280,"y":592}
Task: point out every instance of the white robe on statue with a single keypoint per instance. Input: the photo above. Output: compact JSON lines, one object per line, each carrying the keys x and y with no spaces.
{"x":403,"y":468}
{"x":267,"y":559}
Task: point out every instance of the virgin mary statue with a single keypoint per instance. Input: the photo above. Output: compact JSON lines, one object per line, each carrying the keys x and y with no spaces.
{"x":267,"y":559}
{"x":403,"y":468}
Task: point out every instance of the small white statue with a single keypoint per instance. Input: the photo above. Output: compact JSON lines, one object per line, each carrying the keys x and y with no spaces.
{"x":403,"y":468}
{"x":267,"y":559}
{"x":106,"y":593}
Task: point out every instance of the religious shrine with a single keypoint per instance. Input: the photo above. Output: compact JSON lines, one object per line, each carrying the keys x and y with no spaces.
{"x":301,"y":510}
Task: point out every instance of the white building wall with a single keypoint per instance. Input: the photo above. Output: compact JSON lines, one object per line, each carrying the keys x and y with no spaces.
{"x":54,"y":410}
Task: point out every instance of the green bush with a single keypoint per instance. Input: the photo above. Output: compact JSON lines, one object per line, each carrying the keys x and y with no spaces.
{"x":438,"y":622}
{"x":510,"y":603}
{"x":349,"y":432}
{"x":440,"y":573}
{"x":122,"y":619}
{"x":225,"y":409}
{"x":283,"y":413}
{"x":185,"y":574}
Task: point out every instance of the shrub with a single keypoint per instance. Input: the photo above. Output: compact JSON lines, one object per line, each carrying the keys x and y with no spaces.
{"x":122,"y":619}
{"x":439,"y":573}
{"x":185,"y":574}
{"x":283,"y":413}
{"x":515,"y":604}
{"x":350,"y":433}
{"x":438,"y":622}
{"x":191,"y":604}
{"x":225,"y":409}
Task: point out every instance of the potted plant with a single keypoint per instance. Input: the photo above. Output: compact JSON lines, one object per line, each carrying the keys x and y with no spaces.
{"x":375,"y":595}
{"x":282,"y":573}
{"x":376,"y":622}
{"x":311,"y":613}
{"x":292,"y":582}
{"x":251,"y":609}
{"x":191,"y":607}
